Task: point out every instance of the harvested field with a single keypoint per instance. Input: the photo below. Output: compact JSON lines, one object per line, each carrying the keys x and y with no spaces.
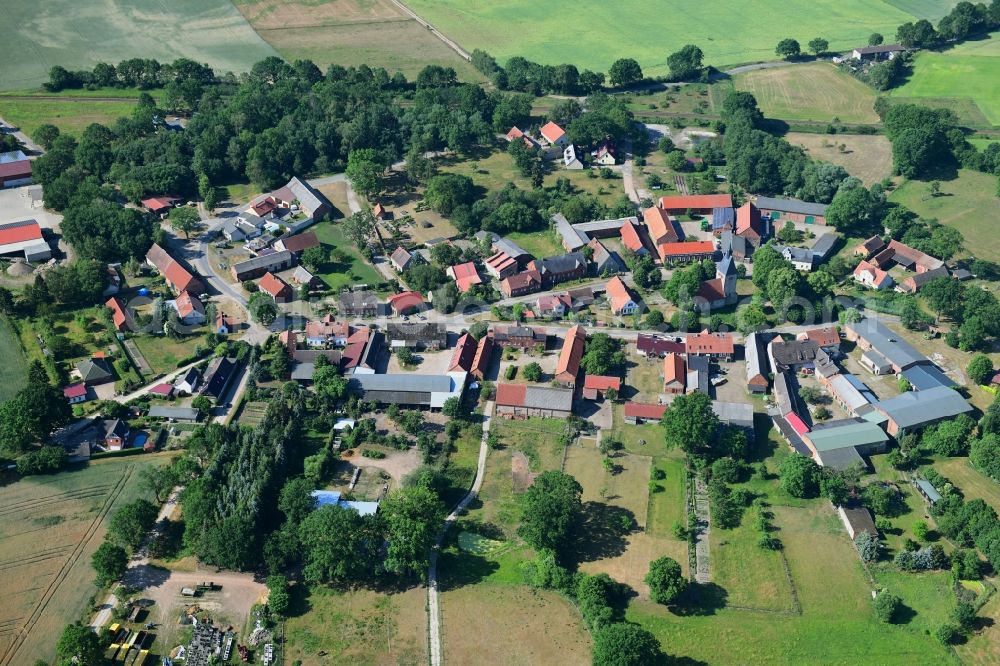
{"x":37,"y":36}
{"x":816,"y":91}
{"x":865,"y":156}
{"x":350,"y":32}
{"x":357,"y":626}
{"x":49,"y":528}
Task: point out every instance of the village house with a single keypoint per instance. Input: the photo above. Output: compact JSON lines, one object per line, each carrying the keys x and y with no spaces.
{"x":116,"y":433}
{"x":603,"y":260}
{"x":572,"y":158}
{"x":419,"y":335}
{"x":802,"y":212}
{"x":686,"y":251}
{"x":94,"y":371}
{"x":874,"y":53}
{"x":516,"y":133}
{"x":719,"y":346}
{"x":160,"y":206}
{"x":553,"y":270}
{"x":187,"y":383}
{"x":75,"y":393}
{"x":870,"y":247}
{"x":520,"y":284}
{"x":400,"y":259}
{"x":276,"y":288}
{"x":568,"y":365}
{"x":297,"y":244}
{"x":827,"y":337}
{"x":521,"y":401}
{"x":176,"y":276}
{"x":358,"y":303}
{"x":701,"y":204}
{"x":520,"y":337}
{"x":189,"y":309}
{"x":327,"y":332}
{"x":596,"y":387}
{"x":655,"y":346}
{"x":622,"y":300}
{"x":121,"y":318}
{"x":604,"y":154}
{"x":553,"y":135}
{"x":406,"y":302}
{"x":218,"y":375}
{"x":872,"y":276}
{"x":256,"y":267}
{"x":295,"y":196}
{"x":465,"y":276}
{"x":674,"y":374}
{"x":552,"y":305}
{"x":800,"y":258}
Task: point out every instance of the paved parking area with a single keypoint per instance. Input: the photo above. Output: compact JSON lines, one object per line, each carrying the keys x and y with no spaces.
{"x":23,"y":203}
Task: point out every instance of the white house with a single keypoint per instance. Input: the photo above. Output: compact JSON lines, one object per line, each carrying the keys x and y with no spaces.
{"x":572,"y":158}
{"x":189,"y":309}
{"x":553,"y":135}
{"x":872,"y":276}
{"x":188,"y":382}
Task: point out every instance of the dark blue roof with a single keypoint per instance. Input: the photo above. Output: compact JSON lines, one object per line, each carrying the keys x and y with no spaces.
{"x":722,"y":217}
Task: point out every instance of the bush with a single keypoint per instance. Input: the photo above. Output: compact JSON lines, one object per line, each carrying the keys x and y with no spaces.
{"x":374,"y":454}
{"x":665,"y":579}
{"x":727,"y":470}
{"x":946,"y":634}
{"x":868,"y":547}
{"x":886,"y":605}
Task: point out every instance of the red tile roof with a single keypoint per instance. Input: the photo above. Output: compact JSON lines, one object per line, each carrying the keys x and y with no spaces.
{"x":654,"y":344}
{"x":77,"y":390}
{"x":710,"y":343}
{"x":511,"y":394}
{"x":159,"y":203}
{"x":712,"y":290}
{"x":569,"y":357}
{"x":552,"y":132}
{"x":175,"y":274}
{"x":406,"y":301}
{"x":484,"y":354}
{"x":674,"y":370}
{"x":631,"y":238}
{"x":162,"y":389}
{"x":274,"y":285}
{"x":464,"y":354}
{"x":748,"y":219}
{"x":602,"y":383}
{"x":514,"y":133}
{"x":685,"y":248}
{"x":188,"y":304}
{"x":300,"y":242}
{"x":18,"y":232}
{"x":118,"y":313}
{"x":466,"y":276}
{"x":644,"y":410}
{"x":824,"y":337}
{"x":289,"y":339}
{"x":696,"y":201}
{"x":618,"y":293}
{"x":520,"y":280}
{"x":661,"y":230}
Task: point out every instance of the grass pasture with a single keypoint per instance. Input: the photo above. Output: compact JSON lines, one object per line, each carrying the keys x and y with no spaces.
{"x":655,"y":28}
{"x":816,"y":91}
{"x":70,"y":114}
{"x":37,"y":36}
{"x":163,"y":353}
{"x":336,"y":276}
{"x":13,"y":364}
{"x":49,"y":528}
{"x":865,"y":156}
{"x":968,"y":203}
{"x":350,"y":32}
{"x":973,"y":483}
{"x":358,"y":626}
{"x":969,"y":71}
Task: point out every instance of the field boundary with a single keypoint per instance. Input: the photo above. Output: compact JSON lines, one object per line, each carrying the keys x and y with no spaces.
{"x":8,"y":656}
{"x":437,"y":33}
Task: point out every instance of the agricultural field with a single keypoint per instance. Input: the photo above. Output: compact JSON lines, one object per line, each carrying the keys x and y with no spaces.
{"x":358,"y":626}
{"x":864,"y":156}
{"x":815,"y":91}
{"x":968,"y":203}
{"x":71,"y":115}
{"x":350,"y":32}
{"x":49,"y":528}
{"x":37,"y":36}
{"x":656,"y":28}
{"x":968,"y":73}
{"x":13,"y":364}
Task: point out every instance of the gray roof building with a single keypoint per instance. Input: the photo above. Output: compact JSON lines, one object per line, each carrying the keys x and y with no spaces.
{"x":736,"y":414}
{"x":923,"y":377}
{"x":94,"y":371}
{"x":824,"y":246}
{"x":263,"y":263}
{"x":602,"y":228}
{"x":174,"y":413}
{"x":900,"y":353}
{"x":915,"y":409}
{"x":407,"y":389}
{"x":738,"y":246}
{"x":790,"y":206}
{"x":792,"y":353}
{"x":756,"y":365}
{"x":571,"y":238}
{"x":697,"y":375}
{"x":510,"y":248}
{"x":605,"y":260}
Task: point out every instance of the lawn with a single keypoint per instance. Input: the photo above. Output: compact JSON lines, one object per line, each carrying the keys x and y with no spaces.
{"x":667,"y":505}
{"x":13,"y":364}
{"x":968,"y":203}
{"x":864,"y":156}
{"x":336,"y":276}
{"x":71,"y":114}
{"x":536,"y":438}
{"x":654,"y":29}
{"x":49,"y":528}
{"x":358,"y":626}
{"x":351,"y":32}
{"x":163,"y":353}
{"x":37,"y":36}
{"x":969,"y":71}
{"x":816,"y":91}
{"x":539,"y":244}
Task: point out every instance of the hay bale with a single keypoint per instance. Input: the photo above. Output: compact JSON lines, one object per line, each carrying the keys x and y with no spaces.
{"x":19,"y":269}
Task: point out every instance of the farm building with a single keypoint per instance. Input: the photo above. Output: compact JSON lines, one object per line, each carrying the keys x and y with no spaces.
{"x":927,"y":491}
{"x":734,"y":414}
{"x":686,"y":251}
{"x":697,"y":374}
{"x":361,"y":357}
{"x":857,"y":519}
{"x":605,"y":261}
{"x":465,"y":276}
{"x":794,"y":355}
{"x":913,"y":283}
{"x":840,"y":444}
{"x":637,"y":413}
{"x":674,"y":374}
{"x":24,"y":237}
{"x":850,"y":393}
{"x":521,"y":337}
{"x":634,"y":238}
{"x":871,"y":334}
{"x":360,"y":303}
{"x":160,"y":205}
{"x":15,"y":172}
{"x":660,"y":226}
{"x":522,"y":401}
{"x":756,"y":364}
{"x":596,"y":386}
{"x":611,"y":228}
{"x":792,"y":209}
{"x":827,"y":337}
{"x":735,"y":246}
{"x":406,"y":302}
{"x":294,"y":195}
{"x":173,"y":413}
{"x":723,"y":219}
{"x":719,"y":346}
{"x":429,"y":391}
{"x":276,"y":288}
{"x":188,"y":382}
{"x":298,"y":243}
{"x":870,"y":247}
{"x":255,"y":267}
{"x":880,"y":52}
{"x":914,"y":410}
{"x":696,"y":203}
{"x":568,"y":365}
{"x":657,"y":346}
{"x":924,"y":377}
